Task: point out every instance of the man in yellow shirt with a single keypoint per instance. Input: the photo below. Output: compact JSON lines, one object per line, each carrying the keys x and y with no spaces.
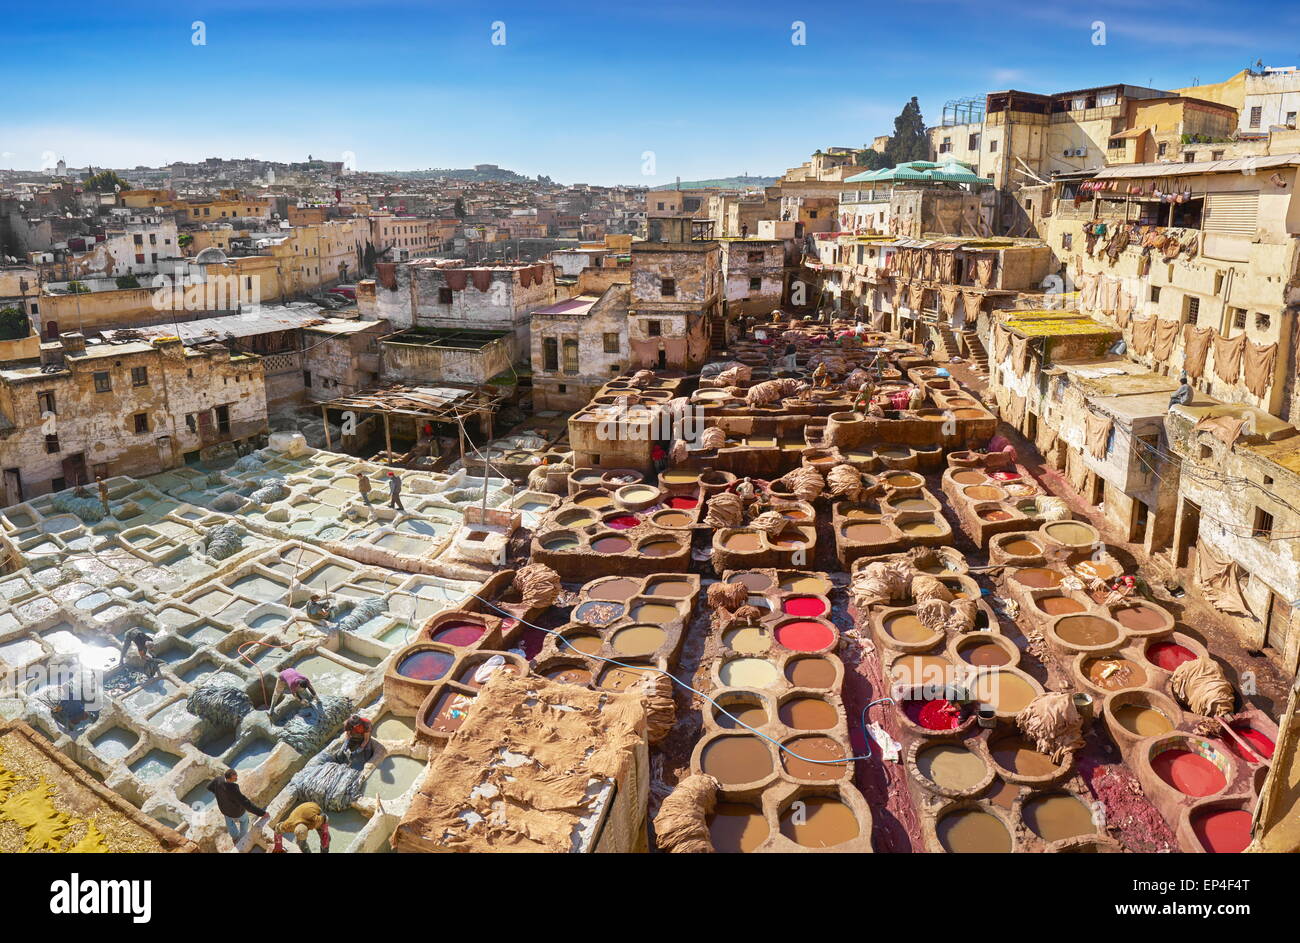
{"x":300,"y":823}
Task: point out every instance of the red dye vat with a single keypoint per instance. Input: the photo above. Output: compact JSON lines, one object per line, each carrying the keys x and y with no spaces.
{"x":1006,"y":476}
{"x":1169,"y":655}
{"x":1188,"y":772}
{"x":623,"y":521}
{"x":1223,"y":831}
{"x":459,"y":634}
{"x":1258,"y":741}
{"x":933,"y":715}
{"x":683,"y":504}
{"x":803,"y":606}
{"x":804,"y":636}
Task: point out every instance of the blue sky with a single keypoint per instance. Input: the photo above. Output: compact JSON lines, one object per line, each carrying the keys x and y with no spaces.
{"x":578,"y":91}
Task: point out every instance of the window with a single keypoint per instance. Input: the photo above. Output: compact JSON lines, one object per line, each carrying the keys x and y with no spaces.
{"x":1255,"y":114}
{"x":1189,"y":157}
{"x":668,"y":287}
{"x":611,"y":343}
{"x":1155,"y":293}
{"x":1262,"y":322}
{"x":570,"y":356}
{"x":756,"y":257}
{"x":141,"y":421}
{"x":445,"y":296}
{"x":52,"y":445}
{"x":1290,"y":119}
{"x":1218,"y":283}
{"x":562,"y":388}
{"x":45,"y":403}
{"x":1161,"y":148}
{"x":1216,"y":155}
{"x":1191,"y":309}
{"x":1067,"y":240}
{"x":654,"y":328}
{"x":1206,"y":452}
{"x":755,"y":284}
{"x":223,"y":420}
{"x":1238,"y":318}
{"x":1263,"y":526}
{"x":306,"y":378}
{"x":973,"y":142}
{"x":103,"y":382}
{"x":812,"y":214}
{"x":550,"y":354}
{"x":993,"y":146}
{"x":191,"y":422}
{"x":946,"y":146}
{"x":139,"y":376}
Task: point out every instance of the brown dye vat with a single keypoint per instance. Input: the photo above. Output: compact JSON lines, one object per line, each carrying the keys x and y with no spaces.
{"x":867,"y":533}
{"x":595,"y":501}
{"x":907,"y":628}
{"x":673,"y":519}
{"x":984,"y":493}
{"x":1086,"y":631}
{"x":743,"y":543}
{"x":587,"y":644}
{"x":447,"y":714}
{"x":968,"y":413}
{"x":787,"y":543}
{"x":951,"y":767}
{"x":970,"y":477}
{"x":813,"y":748}
{"x":985,"y":655}
{"x":819,"y":822}
{"x":736,"y":760}
{"x":611,"y":545}
{"x":1142,"y":721}
{"x":747,"y":640}
{"x":615,"y":678}
{"x":1036,"y":577}
{"x":673,"y":589}
{"x":660,"y":548}
{"x":810,"y":672}
{"x":616,"y":590}
{"x":921,"y":529}
{"x":655,"y":612}
{"x":1057,"y":816}
{"x":995,"y":516}
{"x":638,"y":640}
{"x":1020,"y":547}
{"x":972,"y":831}
{"x":749,"y":713}
{"x":570,"y":674}
{"x":737,"y":827}
{"x":915,"y":670}
{"x":811,"y":585}
{"x":1003,"y":794}
{"x":1059,"y":605}
{"x":913,"y":504}
{"x":902,"y":479}
{"x":1007,"y":693}
{"x":1070,"y":534}
{"x":860,"y":514}
{"x":1017,"y":755}
{"x":754,"y":582}
{"x":795,"y":514}
{"x":1126,"y":674}
{"x":1139,"y":618}
{"x":808,"y":713}
{"x":1090,"y":569}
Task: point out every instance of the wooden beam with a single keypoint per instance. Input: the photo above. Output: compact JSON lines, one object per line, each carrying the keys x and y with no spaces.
{"x":325,"y":418}
{"x":388,"y":438}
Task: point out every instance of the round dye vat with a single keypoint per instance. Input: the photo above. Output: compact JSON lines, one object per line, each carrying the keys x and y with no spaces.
{"x":1114,"y":673}
{"x":638,"y":640}
{"x":1188,"y":772}
{"x":985,"y":655}
{"x":570,"y":674}
{"x":754,"y":582}
{"x":995,"y":516}
{"x":683,"y":503}
{"x":576,"y":518}
{"x":615,"y":590}
{"x":789,"y":543}
{"x":810,"y":672}
{"x":1139,"y":618}
{"x":1071,"y":533}
{"x":811,"y":750}
{"x":638,"y":494}
{"x":907,"y":628}
{"x":564,"y":542}
{"x":861,"y":514}
{"x":867,"y":533}
{"x":673,"y":589}
{"x":805,"y":636}
{"x":813,"y":585}
{"x":582,"y":642}
{"x":748,"y":673}
{"x":809,"y":606}
{"x":951,"y":767}
{"x":1089,"y":569}
{"x":796,"y":514}
{"x":1086,"y":631}
{"x":984,"y":493}
{"x":1058,"y":816}
{"x":459,"y":634}
{"x":1021,"y":547}
{"x":748,"y":640}
{"x":1059,"y":605}
{"x":1037,"y":577}
{"x":915,"y":670}
{"x":1142,"y":721}
{"x":680,"y":477}
{"x":595,"y":501}
{"x":819,"y":822}
{"x":970,"y":477}
{"x":761,"y":603}
{"x":615,"y":678}
{"x":913,"y":504}
{"x":1222,"y":831}
{"x":971,"y":831}
{"x":737,"y":827}
{"x":611,"y":545}
{"x":655,"y":612}
{"x":750,"y":713}
{"x":902,"y":479}
{"x":1005,"y":692}
{"x":1257,"y":740}
{"x":1169,"y":655}
{"x":623,"y":521}
{"x":659,"y":548}
{"x":1017,"y":755}
{"x":425,"y":665}
{"x":808,"y":713}
{"x":673,"y":519}
{"x":936,"y":714}
{"x":920,"y":528}
{"x":733,"y":761}
{"x":598,"y":612}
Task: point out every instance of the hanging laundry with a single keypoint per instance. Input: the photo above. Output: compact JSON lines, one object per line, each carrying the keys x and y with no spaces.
{"x":1165,"y":335}
{"x":1227,"y":356}
{"x":1259,"y":362}
{"x":1196,"y":346}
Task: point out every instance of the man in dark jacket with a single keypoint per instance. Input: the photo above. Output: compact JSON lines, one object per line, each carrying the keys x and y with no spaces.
{"x":234,"y":805}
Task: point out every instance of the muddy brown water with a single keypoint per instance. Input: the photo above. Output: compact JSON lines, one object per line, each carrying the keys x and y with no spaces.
{"x":810,"y":672}
{"x":1017,"y":755}
{"x":951,"y":766}
{"x":1127,"y":674}
{"x":737,"y":827}
{"x":1086,"y":631}
{"x":1022,"y":547}
{"x":1059,"y":605}
{"x":985,"y":655}
{"x":1057,"y":816}
{"x":1142,"y":720}
{"x":808,"y":713}
{"x":747,"y":712}
{"x":812,"y":749}
{"x":735,"y":760}
{"x":971,"y":831}
{"x":616,"y":590}
{"x":1037,"y":577}
{"x":905,"y":627}
{"x":819,"y":822}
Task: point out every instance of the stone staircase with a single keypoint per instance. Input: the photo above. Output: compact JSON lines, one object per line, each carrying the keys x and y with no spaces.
{"x":979,"y":357}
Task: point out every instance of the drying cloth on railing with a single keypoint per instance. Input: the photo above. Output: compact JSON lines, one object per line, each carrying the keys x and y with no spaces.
{"x":1227,"y":356}
{"x":984,"y":269}
{"x":1087,"y":285}
{"x":1219,"y":579}
{"x":948,"y":296}
{"x":1097,"y":433}
{"x":682,"y":825}
{"x":1052,"y":723}
{"x":537,"y":585}
{"x":916,"y":296}
{"x":1200,"y":686}
{"x":1076,"y":470}
{"x":971,"y":303}
{"x":1049,"y":444}
{"x":1143,"y":331}
{"x":1166,"y":334}
{"x":1259,"y":361}
{"x":1196,"y":346}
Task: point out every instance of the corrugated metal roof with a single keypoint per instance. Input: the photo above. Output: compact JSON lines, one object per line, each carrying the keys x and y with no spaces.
{"x":1232,"y":165}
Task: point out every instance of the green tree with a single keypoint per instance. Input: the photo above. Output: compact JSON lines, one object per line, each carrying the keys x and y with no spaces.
{"x":459,"y":208}
{"x":105,"y":181}
{"x":77,"y":288}
{"x":127,"y":281}
{"x":909,"y":141}
{"x":13,"y":324}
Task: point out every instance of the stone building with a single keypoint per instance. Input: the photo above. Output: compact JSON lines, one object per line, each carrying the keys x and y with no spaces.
{"x":755,"y":271}
{"x":676,"y":296}
{"x":577,"y":345}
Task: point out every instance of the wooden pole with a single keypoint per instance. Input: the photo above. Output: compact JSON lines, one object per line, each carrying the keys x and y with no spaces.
{"x":325,"y":419}
{"x":388,"y":439}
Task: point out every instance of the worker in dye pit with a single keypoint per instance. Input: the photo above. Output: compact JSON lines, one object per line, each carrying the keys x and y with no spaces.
{"x":137,"y":652}
{"x":928,"y":347}
{"x":790,"y":359}
{"x":356,"y":748}
{"x":318,"y":607}
{"x":292,"y":681}
{"x":234,"y":805}
{"x":305,"y":818}
{"x":67,"y":704}
{"x":363,"y":487}
{"x":395,"y":492}
{"x":103,"y":495}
